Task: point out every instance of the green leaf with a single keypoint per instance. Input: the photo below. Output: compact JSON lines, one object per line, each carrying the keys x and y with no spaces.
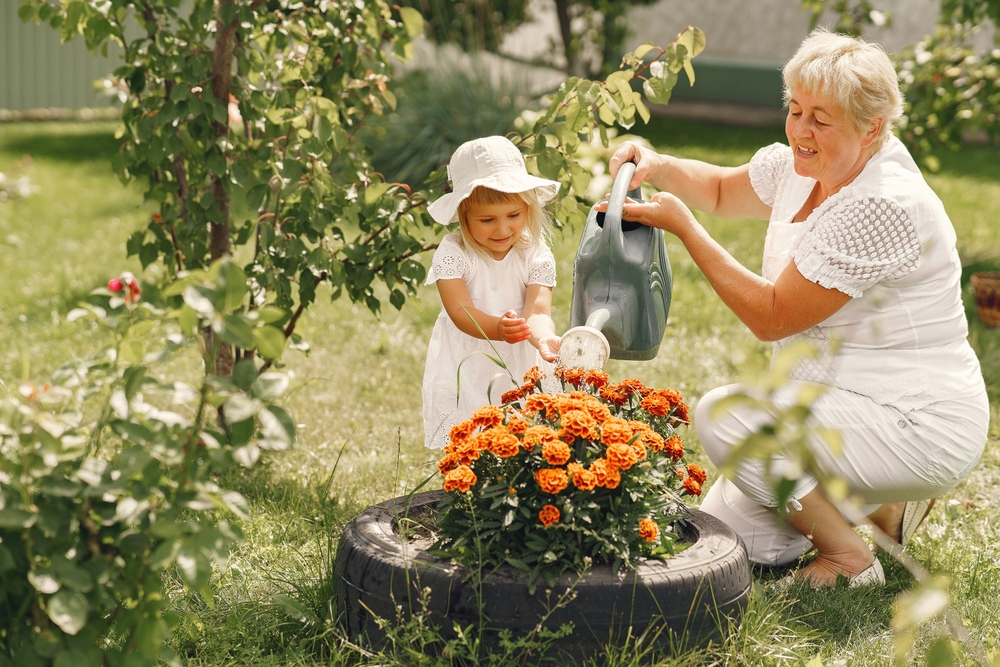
{"x":413,"y":21}
{"x":294,"y":608}
{"x":12,"y":517}
{"x":269,"y":386}
{"x":68,"y":609}
{"x":244,"y":373}
{"x":237,"y":331}
{"x":240,"y":408}
{"x":374,"y":191}
{"x":270,"y":341}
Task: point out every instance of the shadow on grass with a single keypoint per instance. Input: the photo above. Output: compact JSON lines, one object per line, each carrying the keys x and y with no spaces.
{"x":42,"y":142}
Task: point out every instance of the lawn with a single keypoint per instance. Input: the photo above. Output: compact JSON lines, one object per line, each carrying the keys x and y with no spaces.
{"x":356,"y":398}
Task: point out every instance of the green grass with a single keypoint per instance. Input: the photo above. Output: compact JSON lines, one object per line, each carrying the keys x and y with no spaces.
{"x":356,"y":397}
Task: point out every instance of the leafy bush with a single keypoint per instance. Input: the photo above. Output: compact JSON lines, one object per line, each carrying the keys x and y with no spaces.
{"x":106,"y":477}
{"x":551,"y":482}
{"x":440,"y":108}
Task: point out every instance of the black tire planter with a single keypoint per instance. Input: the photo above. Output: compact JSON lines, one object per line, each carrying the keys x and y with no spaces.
{"x":684,"y":601}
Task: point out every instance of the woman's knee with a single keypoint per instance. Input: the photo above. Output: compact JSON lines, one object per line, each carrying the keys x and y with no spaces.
{"x":718,"y":433}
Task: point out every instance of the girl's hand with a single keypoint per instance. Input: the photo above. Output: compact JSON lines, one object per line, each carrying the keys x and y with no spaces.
{"x":512,"y":329}
{"x":548,"y":347}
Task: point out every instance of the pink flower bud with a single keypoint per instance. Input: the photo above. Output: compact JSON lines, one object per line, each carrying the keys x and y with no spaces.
{"x":115,"y":285}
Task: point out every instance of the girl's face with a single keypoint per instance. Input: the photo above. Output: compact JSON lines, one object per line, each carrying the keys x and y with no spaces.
{"x":826,"y":144}
{"x":497,"y":227}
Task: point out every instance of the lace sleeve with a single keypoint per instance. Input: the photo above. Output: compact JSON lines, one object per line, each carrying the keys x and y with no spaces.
{"x":542,"y":267}
{"x":766,"y":168}
{"x":856,"y":245}
{"x":449,"y":262}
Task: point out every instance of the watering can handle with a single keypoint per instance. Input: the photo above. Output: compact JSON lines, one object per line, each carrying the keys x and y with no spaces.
{"x":616,"y":202}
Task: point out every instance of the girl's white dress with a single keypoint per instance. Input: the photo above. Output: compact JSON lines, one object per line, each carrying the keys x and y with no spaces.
{"x":495,"y":287}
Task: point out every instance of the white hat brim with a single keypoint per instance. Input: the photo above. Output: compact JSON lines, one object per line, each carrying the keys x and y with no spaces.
{"x":444,"y":210}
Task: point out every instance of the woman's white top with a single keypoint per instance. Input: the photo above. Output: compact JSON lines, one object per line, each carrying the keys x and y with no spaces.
{"x":494,"y":287}
{"x":885,"y":240}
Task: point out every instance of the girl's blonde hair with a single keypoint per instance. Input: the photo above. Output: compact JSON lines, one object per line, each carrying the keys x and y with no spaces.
{"x":537,"y":226}
{"x":856,"y":75}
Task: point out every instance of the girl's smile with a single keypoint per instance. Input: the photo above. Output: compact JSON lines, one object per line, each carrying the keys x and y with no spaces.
{"x":497,"y":227}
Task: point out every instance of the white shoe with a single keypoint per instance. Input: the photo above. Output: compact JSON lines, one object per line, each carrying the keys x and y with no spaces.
{"x":873,"y":575}
{"x":913,"y":514}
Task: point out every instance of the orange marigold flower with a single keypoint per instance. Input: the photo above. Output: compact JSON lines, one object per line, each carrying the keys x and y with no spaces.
{"x":598,"y":409}
{"x":605,"y":475}
{"x":692,"y":486}
{"x":585,"y":480}
{"x":652,"y":440}
{"x":549,"y":515}
{"x":621,"y":456}
{"x":573,"y":468}
{"x":695,"y":471}
{"x":533,"y":375}
{"x":448,"y":463}
{"x":566,"y":436}
{"x":596,"y":379}
{"x":540,"y":403}
{"x":511,"y":396}
{"x":657,"y":404}
{"x":681,"y":414}
{"x":538,"y":435}
{"x":573,"y":376}
{"x":517,"y":425}
{"x":552,"y":480}
{"x":613,"y":478}
{"x":674,"y":447}
{"x":487,"y":416}
{"x":640,"y":450}
{"x":556,"y":453}
{"x":648,"y":530}
{"x":501,"y":442}
{"x":579,"y":423}
{"x":636,"y":386}
{"x":614,"y":394}
{"x":615,"y":431}
{"x":461,"y":478}
{"x":462,"y":431}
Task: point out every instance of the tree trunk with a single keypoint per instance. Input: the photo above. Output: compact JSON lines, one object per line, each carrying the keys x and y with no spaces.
{"x":562,"y":11}
{"x":222,"y":84}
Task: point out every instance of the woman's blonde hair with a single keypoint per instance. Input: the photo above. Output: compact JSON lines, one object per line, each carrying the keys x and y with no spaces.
{"x":856,"y":75}
{"x":536,"y":226}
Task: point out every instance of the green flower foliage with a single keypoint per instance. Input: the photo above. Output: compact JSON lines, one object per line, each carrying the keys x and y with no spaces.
{"x":557,"y":481}
{"x":106,"y":479}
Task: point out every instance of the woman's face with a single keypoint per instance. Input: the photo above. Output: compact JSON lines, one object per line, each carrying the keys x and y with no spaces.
{"x":497,"y":227}
{"x":825,"y":142}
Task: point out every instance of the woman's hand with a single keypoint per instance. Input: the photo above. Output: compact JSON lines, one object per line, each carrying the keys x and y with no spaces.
{"x":664,"y":211}
{"x":512,"y":329}
{"x":645,"y":162}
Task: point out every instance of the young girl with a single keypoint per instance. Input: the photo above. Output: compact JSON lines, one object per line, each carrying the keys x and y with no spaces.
{"x":495,"y":277}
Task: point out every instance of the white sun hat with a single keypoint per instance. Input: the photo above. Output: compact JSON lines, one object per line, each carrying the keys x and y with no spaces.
{"x":492,"y":162}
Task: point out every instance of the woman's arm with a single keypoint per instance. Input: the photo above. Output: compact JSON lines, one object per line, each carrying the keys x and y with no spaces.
{"x":537,"y":311}
{"x":722,"y":191}
{"x":772,"y":311}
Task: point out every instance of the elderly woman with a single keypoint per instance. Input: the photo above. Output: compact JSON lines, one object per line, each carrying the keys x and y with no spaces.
{"x":859,"y":259}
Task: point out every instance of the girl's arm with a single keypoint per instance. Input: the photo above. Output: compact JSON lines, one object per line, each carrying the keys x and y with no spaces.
{"x":537,"y":311}
{"x":458,"y":304}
